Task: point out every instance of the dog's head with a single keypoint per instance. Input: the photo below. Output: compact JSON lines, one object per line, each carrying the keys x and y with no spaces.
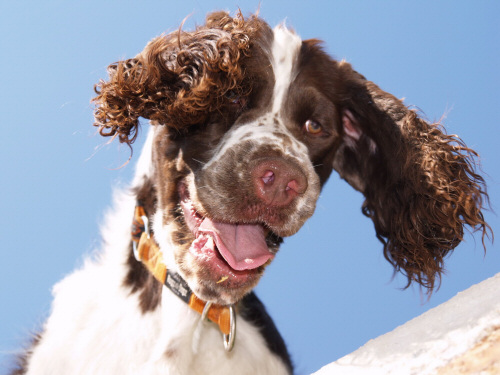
{"x":249,"y":122}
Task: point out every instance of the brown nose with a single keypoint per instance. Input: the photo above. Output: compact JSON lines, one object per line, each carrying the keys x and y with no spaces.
{"x":277,"y":181}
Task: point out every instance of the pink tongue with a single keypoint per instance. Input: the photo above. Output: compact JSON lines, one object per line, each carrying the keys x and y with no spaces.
{"x":242,"y":246}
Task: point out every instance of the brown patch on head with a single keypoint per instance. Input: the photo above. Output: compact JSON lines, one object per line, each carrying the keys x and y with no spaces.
{"x":315,"y":94}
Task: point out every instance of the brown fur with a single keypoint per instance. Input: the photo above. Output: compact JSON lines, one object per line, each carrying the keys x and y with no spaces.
{"x":178,"y":80}
{"x":421,"y":185}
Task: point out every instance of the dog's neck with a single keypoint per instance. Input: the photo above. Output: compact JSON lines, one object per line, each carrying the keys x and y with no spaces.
{"x":147,"y":251}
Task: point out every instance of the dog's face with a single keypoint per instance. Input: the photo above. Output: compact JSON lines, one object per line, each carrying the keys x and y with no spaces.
{"x":245,"y":178}
{"x":249,"y":123}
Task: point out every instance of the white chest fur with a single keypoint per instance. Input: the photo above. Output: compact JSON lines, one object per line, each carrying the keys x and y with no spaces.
{"x":104,"y":332}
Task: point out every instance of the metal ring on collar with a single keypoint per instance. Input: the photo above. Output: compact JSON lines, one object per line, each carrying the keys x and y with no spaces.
{"x":205,"y":310}
{"x":229,"y":339}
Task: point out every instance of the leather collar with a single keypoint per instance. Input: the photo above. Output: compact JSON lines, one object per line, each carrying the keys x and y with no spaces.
{"x":147,"y":251}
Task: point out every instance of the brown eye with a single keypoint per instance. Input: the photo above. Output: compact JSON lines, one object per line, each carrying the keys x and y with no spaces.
{"x":232,"y":96}
{"x":235,"y":100}
{"x":313,"y":127}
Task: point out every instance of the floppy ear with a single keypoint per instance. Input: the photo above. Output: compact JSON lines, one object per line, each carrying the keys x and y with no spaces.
{"x":177,"y":80}
{"x":420,"y":184}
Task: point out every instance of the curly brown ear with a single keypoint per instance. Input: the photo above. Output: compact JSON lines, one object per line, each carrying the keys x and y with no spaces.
{"x":177,"y":80}
{"x":420,"y":184}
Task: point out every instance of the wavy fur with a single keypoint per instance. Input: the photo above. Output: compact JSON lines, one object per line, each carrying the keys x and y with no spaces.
{"x":421,"y":185}
{"x":178,"y":80}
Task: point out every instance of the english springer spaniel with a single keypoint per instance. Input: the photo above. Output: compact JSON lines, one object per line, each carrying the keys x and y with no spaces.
{"x":247,"y":123}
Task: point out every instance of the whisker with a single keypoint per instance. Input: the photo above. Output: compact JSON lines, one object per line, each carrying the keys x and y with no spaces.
{"x":199,"y":161}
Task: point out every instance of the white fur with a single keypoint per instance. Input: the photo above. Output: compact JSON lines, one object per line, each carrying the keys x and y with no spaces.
{"x":96,"y":325}
{"x":260,"y":135}
{"x":286,"y":47}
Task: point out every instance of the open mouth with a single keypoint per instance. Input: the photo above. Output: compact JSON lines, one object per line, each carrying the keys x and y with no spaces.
{"x":233,"y":252}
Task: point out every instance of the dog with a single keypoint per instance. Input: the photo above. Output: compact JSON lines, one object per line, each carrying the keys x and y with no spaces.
{"x":246,"y":125}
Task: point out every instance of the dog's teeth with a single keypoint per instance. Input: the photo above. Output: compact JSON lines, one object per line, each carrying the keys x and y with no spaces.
{"x":222,"y":279}
{"x":248,"y":261}
{"x":210,"y":243}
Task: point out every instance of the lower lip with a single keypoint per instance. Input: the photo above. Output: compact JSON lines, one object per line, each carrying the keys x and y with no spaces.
{"x":219,"y":271}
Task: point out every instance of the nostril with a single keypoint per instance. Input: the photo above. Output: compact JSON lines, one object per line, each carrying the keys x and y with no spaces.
{"x":293,"y":185}
{"x":277,"y":182}
{"x":268,"y":177}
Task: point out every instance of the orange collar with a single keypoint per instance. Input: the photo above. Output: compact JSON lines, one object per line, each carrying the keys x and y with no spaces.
{"x":147,"y":251}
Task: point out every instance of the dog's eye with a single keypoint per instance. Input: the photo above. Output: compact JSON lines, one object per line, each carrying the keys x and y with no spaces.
{"x":235,"y":99}
{"x":313,"y":127}
{"x":232,"y":96}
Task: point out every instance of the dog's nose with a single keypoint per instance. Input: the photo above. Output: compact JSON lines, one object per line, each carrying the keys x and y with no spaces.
{"x":278,"y":182}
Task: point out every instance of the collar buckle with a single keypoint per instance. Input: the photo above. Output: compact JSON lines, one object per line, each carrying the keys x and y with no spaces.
{"x":140,"y":226}
{"x":228,"y":338}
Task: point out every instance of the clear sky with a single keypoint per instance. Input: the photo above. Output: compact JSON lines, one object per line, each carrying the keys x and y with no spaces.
{"x":329,"y":289}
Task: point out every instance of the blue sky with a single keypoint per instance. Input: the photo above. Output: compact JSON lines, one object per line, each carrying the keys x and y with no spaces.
{"x":329,"y":289}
